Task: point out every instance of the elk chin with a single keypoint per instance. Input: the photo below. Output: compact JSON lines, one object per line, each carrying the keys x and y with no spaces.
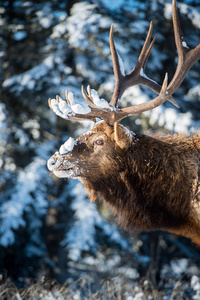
{"x":64,"y":173}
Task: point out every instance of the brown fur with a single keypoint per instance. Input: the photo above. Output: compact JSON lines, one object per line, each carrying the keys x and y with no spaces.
{"x":157,"y":187}
{"x":151,"y":182}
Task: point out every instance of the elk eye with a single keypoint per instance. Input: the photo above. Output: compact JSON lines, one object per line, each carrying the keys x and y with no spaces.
{"x":98,"y":142}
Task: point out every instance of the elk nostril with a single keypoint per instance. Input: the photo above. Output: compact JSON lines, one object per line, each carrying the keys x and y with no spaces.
{"x":51,"y":163}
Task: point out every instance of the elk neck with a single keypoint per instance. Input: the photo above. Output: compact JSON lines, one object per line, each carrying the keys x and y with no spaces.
{"x":156,"y":185}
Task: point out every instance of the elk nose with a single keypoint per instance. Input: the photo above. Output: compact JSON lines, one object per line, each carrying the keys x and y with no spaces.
{"x":51,"y":163}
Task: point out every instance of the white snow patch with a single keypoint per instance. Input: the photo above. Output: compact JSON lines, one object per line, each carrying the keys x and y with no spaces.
{"x":30,"y":196}
{"x":29,"y":78}
{"x":101,"y":103}
{"x":171,"y":119}
{"x":195,"y":283}
{"x":64,"y":107}
{"x":168,"y":11}
{"x":184,"y":44}
{"x":78,"y":108}
{"x":56,"y":109}
{"x":45,"y":22}
{"x":179,"y":266}
{"x":67,"y":146}
{"x":142,"y":74}
{"x":81,"y":109}
{"x":121,"y":64}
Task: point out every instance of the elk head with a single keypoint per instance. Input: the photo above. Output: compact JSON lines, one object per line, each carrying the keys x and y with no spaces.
{"x":99,"y":157}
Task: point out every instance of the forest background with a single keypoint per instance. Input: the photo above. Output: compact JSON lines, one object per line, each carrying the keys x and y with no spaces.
{"x":48,"y":228}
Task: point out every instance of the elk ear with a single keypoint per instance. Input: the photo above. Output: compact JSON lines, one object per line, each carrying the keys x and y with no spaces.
{"x":122,"y":136}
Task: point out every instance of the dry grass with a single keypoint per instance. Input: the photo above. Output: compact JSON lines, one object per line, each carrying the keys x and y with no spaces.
{"x":85,"y":289}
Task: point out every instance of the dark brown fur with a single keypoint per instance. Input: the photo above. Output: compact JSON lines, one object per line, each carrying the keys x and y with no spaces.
{"x":154,"y":184}
{"x":151,"y":182}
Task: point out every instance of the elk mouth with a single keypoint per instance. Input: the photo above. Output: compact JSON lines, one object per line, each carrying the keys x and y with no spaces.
{"x":61,"y":167}
{"x":69,"y":173}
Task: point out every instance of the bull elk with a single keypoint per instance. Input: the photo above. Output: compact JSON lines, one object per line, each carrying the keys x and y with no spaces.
{"x":150,"y":181}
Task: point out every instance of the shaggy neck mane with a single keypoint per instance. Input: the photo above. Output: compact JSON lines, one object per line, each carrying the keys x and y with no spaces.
{"x":162,"y":178}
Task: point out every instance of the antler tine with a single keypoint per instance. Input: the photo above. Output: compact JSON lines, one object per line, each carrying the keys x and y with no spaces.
{"x":160,"y":99}
{"x":117,"y":71}
{"x":89,"y":91}
{"x":97,"y":108}
{"x":87,"y":98}
{"x":67,"y":98}
{"x":136,"y":76}
{"x":146,"y":49}
{"x":149,"y":51}
{"x":186,"y":57}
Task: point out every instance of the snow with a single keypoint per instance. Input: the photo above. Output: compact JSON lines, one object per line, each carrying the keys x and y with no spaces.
{"x":12,"y":211}
{"x":27,"y":189}
{"x":118,"y":5}
{"x":184,"y":44}
{"x":191,"y":12}
{"x":81,"y":109}
{"x":67,"y":146}
{"x":121,"y":64}
{"x":179,"y":266}
{"x":101,"y":103}
{"x":29,"y":78}
{"x":81,"y":237}
{"x":64,"y":108}
{"x":195,"y":283}
{"x":194,"y":93}
{"x":171,"y":119}
{"x":168,"y":11}
{"x":142,"y":74}
{"x":4,"y":128}
{"x":57,"y":111}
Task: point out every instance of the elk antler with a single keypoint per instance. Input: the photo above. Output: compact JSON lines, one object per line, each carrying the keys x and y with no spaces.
{"x":137,"y":75}
{"x":71,"y":110}
{"x":110,"y":112}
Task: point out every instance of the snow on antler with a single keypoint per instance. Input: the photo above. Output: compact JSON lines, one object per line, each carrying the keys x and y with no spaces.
{"x":66,"y":110}
{"x":94,"y":107}
{"x":101,"y":103}
{"x":60,"y":107}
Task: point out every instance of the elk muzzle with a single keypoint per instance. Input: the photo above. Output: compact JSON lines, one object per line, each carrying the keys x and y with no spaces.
{"x":61,"y":167}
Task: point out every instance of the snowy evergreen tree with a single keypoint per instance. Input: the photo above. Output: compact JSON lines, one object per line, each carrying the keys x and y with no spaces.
{"x":48,"y":226}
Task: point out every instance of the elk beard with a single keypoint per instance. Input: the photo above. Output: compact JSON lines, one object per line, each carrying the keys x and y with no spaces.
{"x":115,"y":192}
{"x":131,"y":209}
